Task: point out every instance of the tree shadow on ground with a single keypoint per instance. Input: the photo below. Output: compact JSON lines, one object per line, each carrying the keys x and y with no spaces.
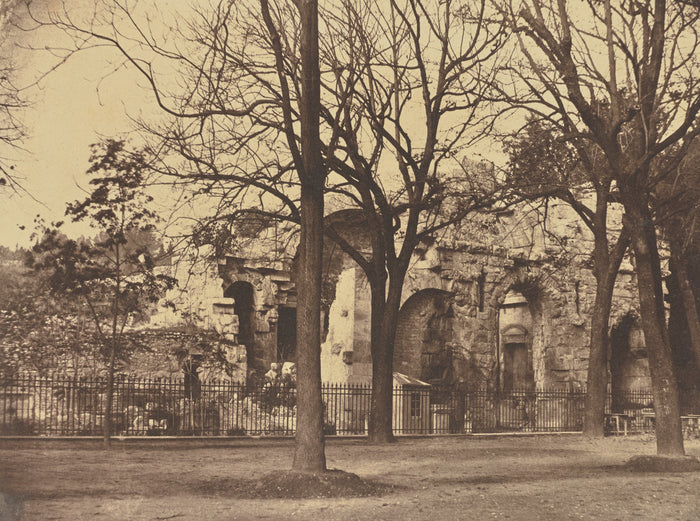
{"x":297,"y":485}
{"x":281,"y":485}
{"x":640,"y":466}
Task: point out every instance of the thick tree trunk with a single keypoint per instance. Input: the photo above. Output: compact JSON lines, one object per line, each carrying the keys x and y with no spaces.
{"x":383,"y":338}
{"x":309,"y":454}
{"x":594,"y":417}
{"x":606,"y":269}
{"x":669,"y":438}
{"x":381,"y":412}
{"x":379,"y":424}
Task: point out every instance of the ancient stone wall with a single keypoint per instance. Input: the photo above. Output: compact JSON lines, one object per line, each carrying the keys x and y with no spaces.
{"x":453,"y":315}
{"x":470,"y":296}
{"x":270,"y":288}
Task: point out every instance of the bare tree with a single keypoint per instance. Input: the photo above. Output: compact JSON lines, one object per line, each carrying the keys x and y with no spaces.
{"x":408,"y":83}
{"x":309,"y":454}
{"x":544,"y":163}
{"x":639,"y":105}
{"x":12,"y":130}
{"x":677,"y":201}
{"x":400,"y":90}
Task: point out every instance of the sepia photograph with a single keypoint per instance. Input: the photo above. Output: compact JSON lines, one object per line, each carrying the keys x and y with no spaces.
{"x":349,"y":260}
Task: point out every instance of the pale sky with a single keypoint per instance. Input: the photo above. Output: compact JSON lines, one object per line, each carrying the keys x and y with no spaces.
{"x":75,"y":104}
{"x":70,"y":109}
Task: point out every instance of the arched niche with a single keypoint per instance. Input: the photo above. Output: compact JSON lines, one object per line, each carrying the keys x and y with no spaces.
{"x":423,"y":347}
{"x":243,"y":295}
{"x":517,"y":363}
{"x":515,"y":320}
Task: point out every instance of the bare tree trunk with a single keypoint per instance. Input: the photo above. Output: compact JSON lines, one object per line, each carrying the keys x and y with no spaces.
{"x":380,"y":422}
{"x":107,"y":422}
{"x":669,"y":437}
{"x":606,"y":269}
{"x":680,"y":271}
{"x":309,"y":454}
{"x":594,"y":416}
{"x":381,"y":415}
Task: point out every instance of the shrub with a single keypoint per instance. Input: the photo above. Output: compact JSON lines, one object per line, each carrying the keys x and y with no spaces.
{"x":329,"y":429}
{"x":18,"y":427}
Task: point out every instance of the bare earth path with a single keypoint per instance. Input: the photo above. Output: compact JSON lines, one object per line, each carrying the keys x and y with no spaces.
{"x":462,"y":478}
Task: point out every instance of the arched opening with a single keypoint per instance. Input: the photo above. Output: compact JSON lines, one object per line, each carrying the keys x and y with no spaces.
{"x":243,"y":295}
{"x":515,"y":319}
{"x":629,"y":366}
{"x":287,"y":335}
{"x":517,"y":367}
{"x":424,"y":334}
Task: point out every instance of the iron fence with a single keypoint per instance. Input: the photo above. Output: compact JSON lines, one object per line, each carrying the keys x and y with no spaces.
{"x":61,"y":406}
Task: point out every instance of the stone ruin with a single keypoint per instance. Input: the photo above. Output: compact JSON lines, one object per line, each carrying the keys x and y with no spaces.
{"x":502,"y":301}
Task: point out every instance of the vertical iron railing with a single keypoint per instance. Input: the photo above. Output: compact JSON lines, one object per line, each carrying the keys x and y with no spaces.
{"x":66,"y":406}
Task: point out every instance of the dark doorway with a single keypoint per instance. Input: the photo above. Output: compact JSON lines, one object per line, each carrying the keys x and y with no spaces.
{"x":287,"y":335}
{"x":516,"y":368}
{"x":242,"y":294}
{"x":190,"y":367}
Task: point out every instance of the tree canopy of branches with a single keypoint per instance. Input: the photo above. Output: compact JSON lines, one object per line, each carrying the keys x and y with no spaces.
{"x":115,"y":275}
{"x":639,"y":105}
{"x":400,"y":90}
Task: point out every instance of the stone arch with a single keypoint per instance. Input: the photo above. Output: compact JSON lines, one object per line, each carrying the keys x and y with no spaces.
{"x":629,"y":366}
{"x":517,"y":362}
{"x":424,"y":335}
{"x":351,"y":225}
{"x":243,"y":295}
{"x":521,"y":343}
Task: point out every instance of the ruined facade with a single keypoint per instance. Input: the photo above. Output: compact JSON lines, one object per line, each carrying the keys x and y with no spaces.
{"x":503,"y":301}
{"x":511,"y":312}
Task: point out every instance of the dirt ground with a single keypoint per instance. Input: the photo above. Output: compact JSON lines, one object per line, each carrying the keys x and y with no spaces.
{"x":561,"y":477}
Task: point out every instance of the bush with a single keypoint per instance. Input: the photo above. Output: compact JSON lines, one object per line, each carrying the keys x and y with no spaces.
{"x":329,"y":429}
{"x":18,"y":427}
{"x":275,"y":394}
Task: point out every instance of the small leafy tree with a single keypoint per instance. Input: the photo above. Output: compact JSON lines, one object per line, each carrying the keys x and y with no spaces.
{"x":114,"y":274}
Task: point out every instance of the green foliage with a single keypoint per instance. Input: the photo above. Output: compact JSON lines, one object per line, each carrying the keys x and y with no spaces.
{"x":117,"y":205}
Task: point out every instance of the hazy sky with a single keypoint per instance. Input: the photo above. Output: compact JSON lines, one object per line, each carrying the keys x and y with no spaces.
{"x":70,"y":109}
{"x":72,"y":106}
